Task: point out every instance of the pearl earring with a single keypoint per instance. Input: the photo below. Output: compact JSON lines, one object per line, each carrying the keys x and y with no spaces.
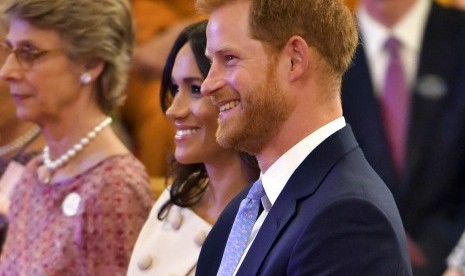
{"x":86,"y":78}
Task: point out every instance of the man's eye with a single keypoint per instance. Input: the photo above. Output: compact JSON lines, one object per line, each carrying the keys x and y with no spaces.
{"x":230,"y":57}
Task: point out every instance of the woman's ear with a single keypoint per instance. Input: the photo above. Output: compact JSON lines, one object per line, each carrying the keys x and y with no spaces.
{"x":297,"y":52}
{"x":92,"y":71}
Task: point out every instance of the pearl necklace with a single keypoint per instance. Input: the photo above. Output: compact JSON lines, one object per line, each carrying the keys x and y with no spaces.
{"x":52,"y":165}
{"x":21,"y":141}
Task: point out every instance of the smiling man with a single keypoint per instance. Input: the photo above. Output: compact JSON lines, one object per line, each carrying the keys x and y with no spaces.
{"x":276,"y":77}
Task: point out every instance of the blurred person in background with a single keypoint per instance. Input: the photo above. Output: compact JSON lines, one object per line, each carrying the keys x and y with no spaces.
{"x":404,"y":98}
{"x":19,"y":141}
{"x":158,"y":23}
{"x":453,"y":3}
{"x":78,"y":207}
{"x":205,"y":176}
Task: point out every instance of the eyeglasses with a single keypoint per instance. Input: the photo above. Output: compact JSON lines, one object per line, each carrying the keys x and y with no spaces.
{"x":25,"y":55}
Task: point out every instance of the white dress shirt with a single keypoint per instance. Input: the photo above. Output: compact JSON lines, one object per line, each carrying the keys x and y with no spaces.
{"x":409,"y":31}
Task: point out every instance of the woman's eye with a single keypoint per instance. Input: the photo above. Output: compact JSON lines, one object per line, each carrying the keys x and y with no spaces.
{"x":195,"y":89}
{"x":27,"y":54}
{"x":174,"y":89}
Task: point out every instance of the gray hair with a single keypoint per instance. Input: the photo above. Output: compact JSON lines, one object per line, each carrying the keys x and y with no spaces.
{"x":3,"y":24}
{"x":93,"y":31}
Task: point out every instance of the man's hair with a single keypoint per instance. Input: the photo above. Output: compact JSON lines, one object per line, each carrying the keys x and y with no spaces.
{"x":326,"y":25}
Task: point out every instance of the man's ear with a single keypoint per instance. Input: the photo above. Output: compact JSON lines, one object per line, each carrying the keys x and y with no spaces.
{"x":297,"y":52}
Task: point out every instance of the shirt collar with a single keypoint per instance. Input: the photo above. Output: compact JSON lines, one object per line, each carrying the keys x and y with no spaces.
{"x":276,"y":177}
{"x":409,"y":30}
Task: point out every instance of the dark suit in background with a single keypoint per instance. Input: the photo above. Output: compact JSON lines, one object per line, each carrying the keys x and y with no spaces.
{"x":334,"y":186}
{"x":431,"y":193}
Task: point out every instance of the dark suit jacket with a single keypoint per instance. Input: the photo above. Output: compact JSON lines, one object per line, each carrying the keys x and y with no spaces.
{"x":431,"y":193}
{"x":335,"y":216}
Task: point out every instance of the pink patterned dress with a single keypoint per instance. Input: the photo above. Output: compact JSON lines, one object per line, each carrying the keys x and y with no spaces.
{"x":86,"y":225}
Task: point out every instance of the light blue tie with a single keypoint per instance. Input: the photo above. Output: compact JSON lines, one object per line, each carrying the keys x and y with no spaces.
{"x":241,"y":229}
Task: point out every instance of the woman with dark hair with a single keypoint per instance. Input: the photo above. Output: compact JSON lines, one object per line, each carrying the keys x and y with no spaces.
{"x":205,"y":176}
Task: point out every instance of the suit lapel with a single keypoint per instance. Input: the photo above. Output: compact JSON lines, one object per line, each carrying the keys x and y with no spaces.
{"x":302,"y":184}
{"x":272,"y":226}
{"x":362,"y":111}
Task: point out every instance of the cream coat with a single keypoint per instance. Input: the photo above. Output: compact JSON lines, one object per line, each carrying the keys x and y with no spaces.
{"x":170,"y":246}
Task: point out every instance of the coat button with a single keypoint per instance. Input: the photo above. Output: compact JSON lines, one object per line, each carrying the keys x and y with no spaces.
{"x":200,"y":237}
{"x":145,"y":262}
{"x":175,"y":220}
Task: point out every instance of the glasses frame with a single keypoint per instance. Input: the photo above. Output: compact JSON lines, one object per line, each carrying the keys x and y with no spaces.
{"x":25,"y":57}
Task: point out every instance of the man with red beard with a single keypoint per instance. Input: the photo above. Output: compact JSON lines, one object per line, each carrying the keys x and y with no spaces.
{"x":275,"y":77}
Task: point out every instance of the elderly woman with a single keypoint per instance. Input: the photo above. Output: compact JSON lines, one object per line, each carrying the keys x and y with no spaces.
{"x":19,"y":141}
{"x":77,"y":208}
{"x":205,"y":175}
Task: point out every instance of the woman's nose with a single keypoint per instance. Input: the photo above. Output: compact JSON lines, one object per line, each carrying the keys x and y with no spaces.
{"x":10,"y":68}
{"x":180,"y":106}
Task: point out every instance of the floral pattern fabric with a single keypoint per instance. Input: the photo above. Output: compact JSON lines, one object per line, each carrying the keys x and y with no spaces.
{"x":86,"y":225}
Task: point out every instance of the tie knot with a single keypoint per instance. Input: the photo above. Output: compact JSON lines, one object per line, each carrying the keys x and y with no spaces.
{"x":257,"y":191}
{"x":392,"y":45}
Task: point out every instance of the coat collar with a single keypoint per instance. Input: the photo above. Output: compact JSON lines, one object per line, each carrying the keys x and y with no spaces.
{"x":302,"y":184}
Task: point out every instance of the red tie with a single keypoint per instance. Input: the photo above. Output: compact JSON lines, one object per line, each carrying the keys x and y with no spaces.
{"x":395,"y":104}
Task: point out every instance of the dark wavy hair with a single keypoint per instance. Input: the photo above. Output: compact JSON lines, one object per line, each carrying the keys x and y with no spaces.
{"x":191,"y":181}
